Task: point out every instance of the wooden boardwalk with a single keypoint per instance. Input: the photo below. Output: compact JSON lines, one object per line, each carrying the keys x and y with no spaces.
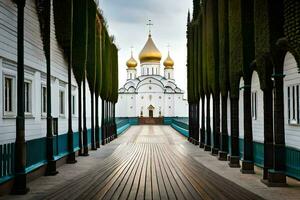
{"x":151,"y":162}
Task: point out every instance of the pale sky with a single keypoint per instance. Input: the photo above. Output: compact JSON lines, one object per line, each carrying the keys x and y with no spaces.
{"x":127,"y":21}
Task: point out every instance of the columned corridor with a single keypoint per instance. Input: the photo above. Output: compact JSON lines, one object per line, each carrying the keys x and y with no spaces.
{"x":148,"y":162}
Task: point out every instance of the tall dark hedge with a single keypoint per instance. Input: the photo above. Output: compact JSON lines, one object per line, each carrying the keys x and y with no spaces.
{"x":98,"y":57}
{"x":292,"y":27}
{"x":223,"y":47}
{"x":91,"y":50}
{"x":79,"y":41}
{"x":200,"y":54}
{"x":105,"y":64}
{"x":212,"y":46}
{"x":235,"y":46}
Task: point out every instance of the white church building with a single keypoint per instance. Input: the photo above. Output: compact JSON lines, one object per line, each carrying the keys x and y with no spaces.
{"x":150,"y":94}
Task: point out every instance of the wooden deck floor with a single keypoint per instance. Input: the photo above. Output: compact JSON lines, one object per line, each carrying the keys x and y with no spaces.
{"x":150,"y":163}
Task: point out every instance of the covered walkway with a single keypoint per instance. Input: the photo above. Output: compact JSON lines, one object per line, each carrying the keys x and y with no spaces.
{"x":147,"y":162}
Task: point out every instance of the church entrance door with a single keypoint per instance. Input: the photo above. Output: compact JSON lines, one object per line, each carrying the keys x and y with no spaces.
{"x":151,"y":113}
{"x":151,"y":108}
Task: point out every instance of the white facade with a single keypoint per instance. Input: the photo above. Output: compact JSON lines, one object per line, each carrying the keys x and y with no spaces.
{"x":35,"y":76}
{"x":151,"y":92}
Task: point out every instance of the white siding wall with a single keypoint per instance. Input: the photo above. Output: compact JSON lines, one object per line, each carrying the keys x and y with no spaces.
{"x":35,"y":71}
{"x":258,"y":123}
{"x":292,"y":77}
{"x":228,"y":115}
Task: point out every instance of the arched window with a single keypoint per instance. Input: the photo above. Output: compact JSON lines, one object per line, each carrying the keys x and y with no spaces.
{"x":168,"y":75}
{"x":130,"y":75}
{"x":147,"y":71}
{"x":152,"y":70}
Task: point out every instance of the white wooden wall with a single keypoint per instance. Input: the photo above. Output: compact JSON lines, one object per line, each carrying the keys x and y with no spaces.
{"x":292,"y":77}
{"x":258,"y":124}
{"x":35,"y":71}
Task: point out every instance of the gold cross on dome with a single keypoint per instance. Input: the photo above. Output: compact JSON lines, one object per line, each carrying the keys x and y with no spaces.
{"x":150,"y":24}
{"x":168,"y":46}
{"x":131,"y":50}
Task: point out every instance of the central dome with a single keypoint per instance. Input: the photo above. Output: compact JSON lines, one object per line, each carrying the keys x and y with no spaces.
{"x":150,"y":53}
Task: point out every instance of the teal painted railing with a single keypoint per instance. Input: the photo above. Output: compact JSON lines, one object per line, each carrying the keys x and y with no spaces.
{"x":180,"y":124}
{"x":7,"y":155}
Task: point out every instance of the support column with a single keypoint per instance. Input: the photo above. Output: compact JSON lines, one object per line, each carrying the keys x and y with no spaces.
{"x":202,"y":130}
{"x":224,"y":135}
{"x":51,"y":165}
{"x":114,"y":118}
{"x":103,"y":123}
{"x":20,"y":186}
{"x":197,"y":124}
{"x":85,"y":136}
{"x":190,"y":123}
{"x":216,"y":117}
{"x":71,"y":157}
{"x":97,"y":128}
{"x":234,"y":160}
{"x":207,"y":146}
{"x":247,"y":162}
{"x":276,"y":176}
{"x":115,"y":125}
{"x":93,"y":143}
{"x":108,"y":132}
{"x":268,"y":132}
{"x":80,"y":133}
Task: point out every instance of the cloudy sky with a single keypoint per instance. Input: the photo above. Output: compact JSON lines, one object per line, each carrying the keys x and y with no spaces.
{"x":127,"y":21}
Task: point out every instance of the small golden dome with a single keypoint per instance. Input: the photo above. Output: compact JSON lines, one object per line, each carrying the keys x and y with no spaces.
{"x":169,"y":63}
{"x":150,"y":53}
{"x":131,"y":63}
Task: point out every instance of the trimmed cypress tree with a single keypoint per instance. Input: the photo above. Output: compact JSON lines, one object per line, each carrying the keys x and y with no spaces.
{"x":79,"y":53}
{"x":63,"y":14}
{"x":98,"y":77}
{"x":91,"y":63}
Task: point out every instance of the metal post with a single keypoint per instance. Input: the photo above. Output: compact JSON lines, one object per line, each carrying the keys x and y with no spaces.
{"x":20,"y":186}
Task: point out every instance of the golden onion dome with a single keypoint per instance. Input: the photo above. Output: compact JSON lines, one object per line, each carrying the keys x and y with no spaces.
{"x":131,"y":63}
{"x":150,"y":53}
{"x":169,"y":63}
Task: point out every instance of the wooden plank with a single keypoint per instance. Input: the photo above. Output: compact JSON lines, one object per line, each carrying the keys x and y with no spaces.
{"x":131,"y":187}
{"x":166,"y":181}
{"x":149,"y":165}
{"x":117,"y":186}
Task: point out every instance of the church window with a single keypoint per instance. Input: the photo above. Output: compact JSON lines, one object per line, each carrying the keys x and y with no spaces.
{"x":130,"y":76}
{"x":254,"y":105}
{"x":152,"y":70}
{"x":147,"y":71}
{"x":150,"y":88}
{"x":170,"y":107}
{"x":9,"y":102}
{"x":294,"y":104}
{"x":169,"y":76}
{"x":156,"y":71}
{"x":131,"y":97}
{"x":27,"y":92}
{"x":61,"y":102}
{"x":73,"y":105}
{"x":44,"y":100}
